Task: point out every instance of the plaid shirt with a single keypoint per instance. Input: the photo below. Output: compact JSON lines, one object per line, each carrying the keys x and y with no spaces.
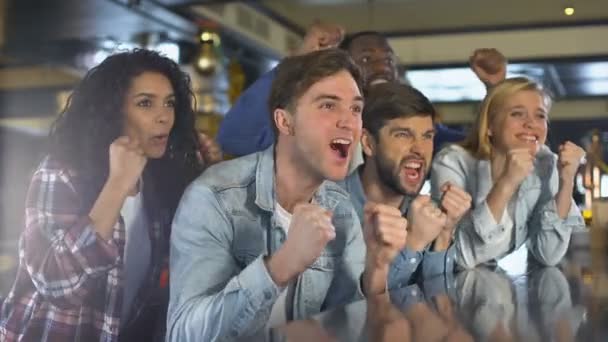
{"x":70,"y":281}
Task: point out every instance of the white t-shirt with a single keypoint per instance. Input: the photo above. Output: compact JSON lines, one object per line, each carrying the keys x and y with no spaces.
{"x":138,"y":249}
{"x":278,"y":315}
{"x":515,"y":262}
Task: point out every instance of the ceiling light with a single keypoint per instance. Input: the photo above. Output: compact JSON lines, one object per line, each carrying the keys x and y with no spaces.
{"x":569,"y":11}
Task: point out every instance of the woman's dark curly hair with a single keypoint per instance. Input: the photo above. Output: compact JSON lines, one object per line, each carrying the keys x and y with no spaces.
{"x":93,"y":118}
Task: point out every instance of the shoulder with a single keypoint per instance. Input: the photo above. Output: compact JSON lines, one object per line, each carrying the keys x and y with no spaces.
{"x":239,"y":172}
{"x":55,"y":188}
{"x":348,"y":183}
{"x":52,"y":170}
{"x":454,"y":156}
{"x":336,"y":190}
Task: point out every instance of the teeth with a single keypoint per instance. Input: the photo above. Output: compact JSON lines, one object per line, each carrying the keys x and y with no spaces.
{"x":341,"y":141}
{"x":529,"y":138}
{"x":413,"y":165}
{"x":378,"y":81}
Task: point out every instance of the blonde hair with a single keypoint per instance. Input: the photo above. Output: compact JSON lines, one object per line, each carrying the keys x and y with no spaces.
{"x":478,"y":141}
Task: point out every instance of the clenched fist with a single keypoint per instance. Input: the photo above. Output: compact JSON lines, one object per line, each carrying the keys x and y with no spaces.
{"x":426,"y":222}
{"x":385,"y":233}
{"x":127,"y":162}
{"x":455,"y":202}
{"x":210,"y":152}
{"x":321,"y":36}
{"x":519,"y":164}
{"x":569,"y":159}
{"x":489,"y":65}
{"x":309,"y":232}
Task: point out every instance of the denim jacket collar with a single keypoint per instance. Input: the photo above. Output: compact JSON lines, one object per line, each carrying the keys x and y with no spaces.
{"x":265,"y":181}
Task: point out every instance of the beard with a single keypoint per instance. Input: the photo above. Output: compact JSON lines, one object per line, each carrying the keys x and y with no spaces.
{"x":389,"y":174}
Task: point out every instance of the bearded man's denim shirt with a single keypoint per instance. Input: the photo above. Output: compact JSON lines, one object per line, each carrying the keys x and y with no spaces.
{"x":426,"y":263}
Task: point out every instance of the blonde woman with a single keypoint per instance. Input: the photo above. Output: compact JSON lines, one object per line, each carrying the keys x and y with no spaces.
{"x":522,"y":192}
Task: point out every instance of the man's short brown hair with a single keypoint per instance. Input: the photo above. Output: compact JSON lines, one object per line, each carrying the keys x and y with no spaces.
{"x":392,"y":100}
{"x":295,"y":75}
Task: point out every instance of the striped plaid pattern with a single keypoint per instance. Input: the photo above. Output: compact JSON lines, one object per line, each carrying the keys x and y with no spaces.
{"x":69,"y":282}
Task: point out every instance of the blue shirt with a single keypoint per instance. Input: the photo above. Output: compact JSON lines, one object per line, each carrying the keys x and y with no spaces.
{"x":407,"y":261}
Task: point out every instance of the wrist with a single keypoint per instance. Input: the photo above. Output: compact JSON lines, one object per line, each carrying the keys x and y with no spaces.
{"x":566,"y":183}
{"x":376,"y":262}
{"x":374,"y":280}
{"x":117,"y":185}
{"x":415,"y":244}
{"x":442,"y":242}
{"x":280,"y":269}
{"x":303,"y":49}
{"x":506,"y":185}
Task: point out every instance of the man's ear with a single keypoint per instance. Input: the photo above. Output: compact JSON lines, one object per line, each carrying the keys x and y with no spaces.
{"x":368,"y":143}
{"x":284,"y":121}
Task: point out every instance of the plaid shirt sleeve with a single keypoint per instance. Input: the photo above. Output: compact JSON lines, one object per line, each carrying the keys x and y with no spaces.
{"x":62,"y":252}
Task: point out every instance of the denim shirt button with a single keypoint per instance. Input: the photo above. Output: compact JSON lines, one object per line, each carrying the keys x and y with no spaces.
{"x":412,"y":260}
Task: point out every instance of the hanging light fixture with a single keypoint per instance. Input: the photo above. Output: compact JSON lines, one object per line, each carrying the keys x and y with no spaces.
{"x":206,"y":60}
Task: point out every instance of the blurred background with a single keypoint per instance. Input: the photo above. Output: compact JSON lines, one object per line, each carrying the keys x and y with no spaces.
{"x":46,"y":46}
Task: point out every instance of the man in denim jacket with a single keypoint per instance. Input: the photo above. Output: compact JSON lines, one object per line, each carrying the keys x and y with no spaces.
{"x":268,"y":238}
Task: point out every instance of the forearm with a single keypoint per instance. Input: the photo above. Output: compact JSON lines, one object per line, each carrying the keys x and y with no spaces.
{"x":67,"y":270}
{"x":403,"y":267}
{"x":106,"y":210}
{"x":563,"y":198}
{"x":375,"y":279}
{"x":239,"y":308}
{"x":385,"y":322}
{"x":64,"y":256}
{"x":280,"y":268}
{"x":415,"y":244}
{"x":499,"y":198}
{"x":470,"y":249}
{"x":443,"y":240}
{"x":549,"y":233}
{"x":436,"y":263}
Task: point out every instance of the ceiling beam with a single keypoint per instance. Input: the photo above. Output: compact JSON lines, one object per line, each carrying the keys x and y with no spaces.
{"x":32,"y":126}
{"x":266,"y":34}
{"x":579,"y":109}
{"x":517,"y":44}
{"x":159,"y":14}
{"x":19,"y":78}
